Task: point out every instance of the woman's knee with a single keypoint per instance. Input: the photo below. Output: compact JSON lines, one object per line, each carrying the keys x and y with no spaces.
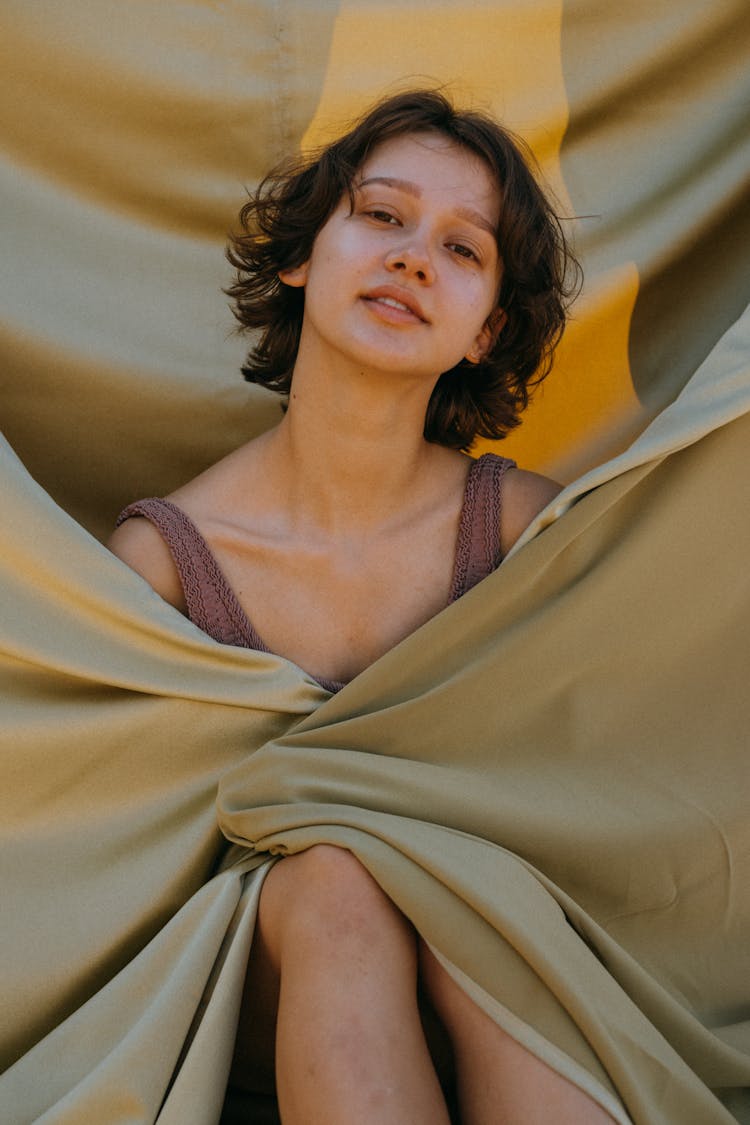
{"x":323,"y":894}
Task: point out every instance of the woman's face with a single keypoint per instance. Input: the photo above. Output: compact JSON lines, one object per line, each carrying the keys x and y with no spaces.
{"x":406,"y":279}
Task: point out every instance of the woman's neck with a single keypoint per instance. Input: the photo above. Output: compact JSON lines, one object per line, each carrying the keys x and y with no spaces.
{"x":351,"y":453}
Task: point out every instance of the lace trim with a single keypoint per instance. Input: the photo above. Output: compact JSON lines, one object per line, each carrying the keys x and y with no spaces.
{"x":478,"y":543}
{"x":211,"y":603}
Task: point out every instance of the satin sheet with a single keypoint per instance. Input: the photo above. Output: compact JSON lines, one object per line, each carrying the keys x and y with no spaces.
{"x":550,"y":778}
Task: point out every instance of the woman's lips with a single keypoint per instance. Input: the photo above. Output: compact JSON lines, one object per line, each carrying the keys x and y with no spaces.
{"x":395,"y":304}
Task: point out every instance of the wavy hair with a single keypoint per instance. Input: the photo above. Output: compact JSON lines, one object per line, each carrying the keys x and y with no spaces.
{"x":540,"y":274}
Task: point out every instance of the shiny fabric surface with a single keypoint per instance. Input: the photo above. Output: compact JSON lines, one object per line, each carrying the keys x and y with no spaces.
{"x":550,"y":777}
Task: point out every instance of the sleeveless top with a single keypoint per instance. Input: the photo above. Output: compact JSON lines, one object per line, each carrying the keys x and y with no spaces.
{"x":213,"y":606}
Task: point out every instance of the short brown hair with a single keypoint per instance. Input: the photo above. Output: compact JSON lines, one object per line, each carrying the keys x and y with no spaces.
{"x":281,"y":220}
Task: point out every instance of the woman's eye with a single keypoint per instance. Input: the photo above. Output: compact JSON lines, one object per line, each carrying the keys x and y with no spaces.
{"x":382,"y":216}
{"x":463,"y":251}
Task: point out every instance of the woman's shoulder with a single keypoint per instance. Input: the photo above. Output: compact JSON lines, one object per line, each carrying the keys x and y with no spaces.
{"x":142,"y":537}
{"x":140,"y":544}
{"x":525,"y":495}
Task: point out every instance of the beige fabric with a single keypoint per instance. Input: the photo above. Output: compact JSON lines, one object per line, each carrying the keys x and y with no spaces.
{"x":561,"y":753}
{"x":549,"y":778}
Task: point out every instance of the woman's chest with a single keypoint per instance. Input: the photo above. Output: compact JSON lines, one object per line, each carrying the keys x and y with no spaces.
{"x":334,"y":612}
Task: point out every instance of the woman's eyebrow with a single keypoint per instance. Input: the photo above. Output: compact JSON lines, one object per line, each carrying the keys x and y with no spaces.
{"x":476,"y":218}
{"x":394,"y":182}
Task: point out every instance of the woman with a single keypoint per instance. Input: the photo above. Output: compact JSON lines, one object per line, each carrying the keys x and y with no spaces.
{"x":410,"y":283}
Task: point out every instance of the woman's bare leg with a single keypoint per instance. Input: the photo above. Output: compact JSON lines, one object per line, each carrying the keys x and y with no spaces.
{"x":499,"y":1081}
{"x":349,"y":1042}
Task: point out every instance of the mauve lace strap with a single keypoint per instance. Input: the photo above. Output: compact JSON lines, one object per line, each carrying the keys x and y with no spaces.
{"x":478,"y":544}
{"x":211,"y":603}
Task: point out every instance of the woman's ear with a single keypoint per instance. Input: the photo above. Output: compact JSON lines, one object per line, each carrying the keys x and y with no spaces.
{"x":487,"y":338}
{"x":295,"y":277}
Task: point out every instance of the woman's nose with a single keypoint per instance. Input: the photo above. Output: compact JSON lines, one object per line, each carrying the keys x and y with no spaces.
{"x":412,"y":261}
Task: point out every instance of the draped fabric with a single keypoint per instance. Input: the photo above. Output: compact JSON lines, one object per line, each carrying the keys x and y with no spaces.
{"x":550,"y":777}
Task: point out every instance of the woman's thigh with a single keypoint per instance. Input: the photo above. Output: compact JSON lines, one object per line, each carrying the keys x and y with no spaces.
{"x":320,"y":905}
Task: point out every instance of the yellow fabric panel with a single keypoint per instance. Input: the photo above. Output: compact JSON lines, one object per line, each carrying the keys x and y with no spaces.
{"x":504,"y":57}
{"x":587,"y":409}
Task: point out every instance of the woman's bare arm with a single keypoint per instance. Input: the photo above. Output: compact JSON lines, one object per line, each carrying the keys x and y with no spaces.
{"x":525,"y":494}
{"x":139,"y":544}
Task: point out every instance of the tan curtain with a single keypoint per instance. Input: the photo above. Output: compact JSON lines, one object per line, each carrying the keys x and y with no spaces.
{"x":550,"y":777}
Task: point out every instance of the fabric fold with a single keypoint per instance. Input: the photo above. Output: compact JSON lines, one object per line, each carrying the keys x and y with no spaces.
{"x":547,"y":778}
{"x":556,"y":785}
